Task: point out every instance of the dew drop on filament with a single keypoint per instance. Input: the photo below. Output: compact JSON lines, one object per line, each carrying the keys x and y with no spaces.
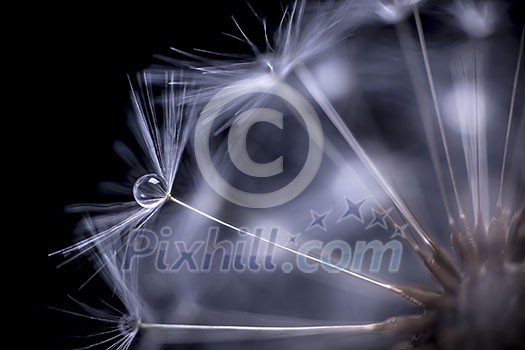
{"x":150,"y":191}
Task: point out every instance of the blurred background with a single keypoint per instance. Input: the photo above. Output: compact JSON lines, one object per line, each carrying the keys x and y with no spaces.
{"x":88,"y":53}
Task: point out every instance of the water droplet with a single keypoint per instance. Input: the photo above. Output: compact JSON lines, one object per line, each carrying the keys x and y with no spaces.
{"x":150,"y":191}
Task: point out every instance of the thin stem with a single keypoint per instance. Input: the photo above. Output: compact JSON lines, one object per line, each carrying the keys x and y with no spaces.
{"x":183,"y":333}
{"x":511,"y":112}
{"x":275,"y":330}
{"x":404,"y":42}
{"x":437,"y":109}
{"x":298,"y":253}
{"x":478,"y":217}
{"x":401,"y":324}
{"x":517,"y":164}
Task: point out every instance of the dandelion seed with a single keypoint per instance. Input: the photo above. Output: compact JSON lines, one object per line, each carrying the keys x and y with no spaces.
{"x":162,"y":141}
{"x":303,"y":33}
{"x":121,"y":326}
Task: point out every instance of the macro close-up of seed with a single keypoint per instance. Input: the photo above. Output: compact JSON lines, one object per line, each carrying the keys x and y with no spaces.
{"x":306,"y":174}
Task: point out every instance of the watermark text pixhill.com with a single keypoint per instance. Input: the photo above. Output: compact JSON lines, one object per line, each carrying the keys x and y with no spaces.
{"x":243,"y":253}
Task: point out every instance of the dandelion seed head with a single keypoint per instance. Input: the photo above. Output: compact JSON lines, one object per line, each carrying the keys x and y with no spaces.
{"x":297,"y":42}
{"x":150,"y":191}
{"x":476,"y":19}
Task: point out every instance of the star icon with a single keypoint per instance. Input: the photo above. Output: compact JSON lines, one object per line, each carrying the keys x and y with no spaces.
{"x":378,"y":218}
{"x":353,"y":209}
{"x":399,"y":231}
{"x":318,"y":220}
{"x":292,"y":239}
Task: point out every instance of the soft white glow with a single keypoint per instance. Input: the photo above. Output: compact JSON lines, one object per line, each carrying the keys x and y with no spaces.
{"x":393,"y":11}
{"x":465,"y":104}
{"x":335,"y":78}
{"x":477,"y":20}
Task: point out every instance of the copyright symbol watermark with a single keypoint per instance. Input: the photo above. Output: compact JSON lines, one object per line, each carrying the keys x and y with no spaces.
{"x":237,"y":142}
